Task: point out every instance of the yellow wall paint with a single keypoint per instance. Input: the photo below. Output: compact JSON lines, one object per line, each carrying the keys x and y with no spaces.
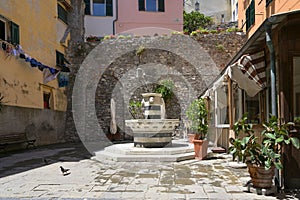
{"x":40,"y":33}
{"x":262,"y":12}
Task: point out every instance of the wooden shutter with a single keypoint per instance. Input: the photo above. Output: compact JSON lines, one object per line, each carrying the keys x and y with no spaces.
{"x":87,"y":9}
{"x":161,"y":5}
{"x":247,"y":18}
{"x":252,"y":12}
{"x":141,"y":5}
{"x":15,"y":34}
{"x":109,"y":8}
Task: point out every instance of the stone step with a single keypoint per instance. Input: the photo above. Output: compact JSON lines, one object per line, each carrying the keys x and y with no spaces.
{"x":105,"y":155}
{"x":129,"y":149}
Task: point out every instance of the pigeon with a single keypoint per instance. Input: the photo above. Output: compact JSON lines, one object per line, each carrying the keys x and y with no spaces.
{"x":64,"y":171}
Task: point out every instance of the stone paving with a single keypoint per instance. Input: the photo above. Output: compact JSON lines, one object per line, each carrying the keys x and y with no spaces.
{"x":35,"y":174}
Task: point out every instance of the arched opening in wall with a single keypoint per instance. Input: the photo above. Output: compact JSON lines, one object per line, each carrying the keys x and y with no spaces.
{"x":121,"y":80}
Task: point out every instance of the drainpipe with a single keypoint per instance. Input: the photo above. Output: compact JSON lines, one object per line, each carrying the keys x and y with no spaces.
{"x":273,"y":85}
{"x":116,"y":19}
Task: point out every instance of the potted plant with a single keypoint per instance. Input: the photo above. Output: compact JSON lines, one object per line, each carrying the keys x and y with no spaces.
{"x":261,"y":158}
{"x":197,"y":114}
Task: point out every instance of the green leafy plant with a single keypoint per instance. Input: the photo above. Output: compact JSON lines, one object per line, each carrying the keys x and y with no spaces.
{"x":139,"y":50}
{"x":165,"y":88}
{"x":193,"y":20}
{"x":135,"y":108}
{"x":197,"y":113}
{"x":267,"y":153}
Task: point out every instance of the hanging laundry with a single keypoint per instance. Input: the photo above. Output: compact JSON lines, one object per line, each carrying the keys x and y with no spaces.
{"x":63,"y":79}
{"x":22,"y":56}
{"x":33,"y":62}
{"x":48,"y":76}
{"x":19,"y":49}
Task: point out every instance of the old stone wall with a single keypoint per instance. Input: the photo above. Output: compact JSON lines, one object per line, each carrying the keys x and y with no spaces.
{"x":122,"y":68}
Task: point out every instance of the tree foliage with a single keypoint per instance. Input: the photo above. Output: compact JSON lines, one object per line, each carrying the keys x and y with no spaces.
{"x":194,"y":20}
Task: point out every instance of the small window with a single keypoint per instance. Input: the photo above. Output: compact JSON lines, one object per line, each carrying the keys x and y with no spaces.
{"x":102,"y":8}
{"x":62,"y":14}
{"x":250,"y":15}
{"x":152,"y":5}
{"x":60,"y":59}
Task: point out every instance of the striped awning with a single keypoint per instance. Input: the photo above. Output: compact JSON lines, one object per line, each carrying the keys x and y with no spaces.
{"x":249,"y":72}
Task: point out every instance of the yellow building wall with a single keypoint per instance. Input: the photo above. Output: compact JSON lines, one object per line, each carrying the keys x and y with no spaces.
{"x":262,"y":12}
{"x":40,"y":34}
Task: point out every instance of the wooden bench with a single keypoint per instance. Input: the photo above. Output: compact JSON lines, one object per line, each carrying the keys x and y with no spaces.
{"x":15,"y":138}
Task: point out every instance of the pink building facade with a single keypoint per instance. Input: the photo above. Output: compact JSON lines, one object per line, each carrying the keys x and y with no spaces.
{"x":137,"y":17}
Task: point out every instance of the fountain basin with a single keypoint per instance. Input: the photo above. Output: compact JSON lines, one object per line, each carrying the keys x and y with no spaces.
{"x":152,"y":133}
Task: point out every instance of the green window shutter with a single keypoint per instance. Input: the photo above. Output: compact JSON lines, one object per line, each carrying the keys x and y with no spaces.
{"x":87,"y":9}
{"x":109,"y":8}
{"x":161,"y":5}
{"x":252,"y":12}
{"x":141,"y":5}
{"x":247,"y":18}
{"x":62,"y":14}
{"x":15,"y":33}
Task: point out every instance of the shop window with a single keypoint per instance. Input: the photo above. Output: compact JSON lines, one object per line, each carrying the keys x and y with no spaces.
{"x":152,"y":5}
{"x":62,"y":14}
{"x":250,"y":15}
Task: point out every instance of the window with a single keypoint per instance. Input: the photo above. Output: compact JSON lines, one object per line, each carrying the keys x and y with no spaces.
{"x":99,"y":7}
{"x":152,"y":5}
{"x":62,"y":14}
{"x":252,"y":107}
{"x":2,"y":30}
{"x":250,"y":15}
{"x":60,"y":59}
{"x":268,"y":2}
{"x":9,"y":31}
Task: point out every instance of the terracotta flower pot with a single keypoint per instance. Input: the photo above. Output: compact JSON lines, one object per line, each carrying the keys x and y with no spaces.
{"x":200,"y":148}
{"x":261,"y":178}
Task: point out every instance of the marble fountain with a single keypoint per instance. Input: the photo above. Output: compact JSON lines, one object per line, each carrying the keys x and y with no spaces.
{"x":152,"y":137}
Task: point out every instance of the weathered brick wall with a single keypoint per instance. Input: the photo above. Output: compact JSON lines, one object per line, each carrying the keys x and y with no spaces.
{"x":114,"y":69}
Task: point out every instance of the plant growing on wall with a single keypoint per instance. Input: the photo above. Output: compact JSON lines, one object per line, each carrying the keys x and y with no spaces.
{"x":165,"y":88}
